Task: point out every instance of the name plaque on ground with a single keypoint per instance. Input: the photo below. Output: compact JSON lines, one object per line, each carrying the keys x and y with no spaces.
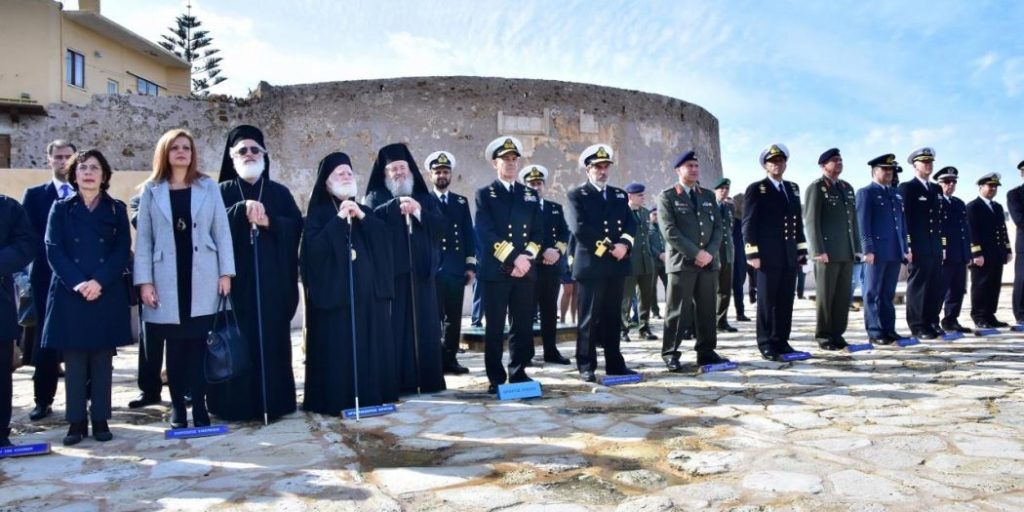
{"x":795,"y":356}
{"x":950,"y":336}
{"x":986,"y":332}
{"x":719,"y":367}
{"x":369,"y":412}
{"x":517,"y":390}
{"x":907,"y":342}
{"x":188,"y":433}
{"x":860,"y":347}
{"x":618,"y":380}
{"x":1017,"y":328}
{"x":25,"y":450}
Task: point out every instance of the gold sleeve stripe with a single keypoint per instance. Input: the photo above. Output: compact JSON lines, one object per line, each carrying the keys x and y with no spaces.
{"x":561,"y":246}
{"x":750,"y":249}
{"x":503,"y":249}
{"x":533,"y":248}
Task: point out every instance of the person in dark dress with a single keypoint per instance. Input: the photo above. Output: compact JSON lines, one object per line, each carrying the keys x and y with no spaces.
{"x":184,"y":262}
{"x":332,"y":220}
{"x":88,"y":243}
{"x":253,"y":199}
{"x":399,"y":196}
{"x":17,"y":248}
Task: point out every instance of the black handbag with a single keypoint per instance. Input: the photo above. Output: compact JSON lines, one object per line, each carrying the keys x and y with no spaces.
{"x":227,"y":351}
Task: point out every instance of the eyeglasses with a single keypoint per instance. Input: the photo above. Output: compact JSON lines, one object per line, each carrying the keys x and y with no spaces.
{"x":245,"y":150}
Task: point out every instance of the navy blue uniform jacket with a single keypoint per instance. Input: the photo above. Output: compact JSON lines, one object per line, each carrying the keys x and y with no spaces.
{"x":595,"y":219}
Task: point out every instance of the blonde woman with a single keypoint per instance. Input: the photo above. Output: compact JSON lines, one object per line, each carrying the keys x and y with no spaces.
{"x":183,"y":264}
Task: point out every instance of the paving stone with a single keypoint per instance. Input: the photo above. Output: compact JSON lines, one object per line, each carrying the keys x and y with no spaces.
{"x":857,"y":485}
{"x":646,"y":504}
{"x":705,"y":463}
{"x":403,"y":480}
{"x":480,"y":498}
{"x":642,"y":478}
{"x":782,"y":482}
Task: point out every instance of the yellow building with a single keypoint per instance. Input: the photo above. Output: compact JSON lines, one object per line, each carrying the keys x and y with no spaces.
{"x":51,"y":55}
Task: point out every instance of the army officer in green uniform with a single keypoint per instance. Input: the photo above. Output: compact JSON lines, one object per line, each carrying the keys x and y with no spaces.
{"x":830,"y":218}
{"x":693,"y":234}
{"x":726,"y":253}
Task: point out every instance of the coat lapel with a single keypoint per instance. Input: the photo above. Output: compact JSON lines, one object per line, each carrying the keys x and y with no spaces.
{"x":198,"y":196}
{"x":162,"y":195}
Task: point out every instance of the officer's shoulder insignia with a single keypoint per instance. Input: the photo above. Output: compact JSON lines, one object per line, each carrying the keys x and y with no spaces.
{"x":530,"y":198}
{"x":584,"y":192}
{"x":462,"y":200}
{"x":762,"y":188}
{"x":620,"y":195}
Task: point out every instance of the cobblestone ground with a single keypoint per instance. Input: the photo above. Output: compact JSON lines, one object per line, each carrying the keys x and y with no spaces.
{"x":934,"y":427}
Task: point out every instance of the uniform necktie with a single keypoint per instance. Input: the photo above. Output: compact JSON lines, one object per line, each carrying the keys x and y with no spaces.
{"x":444,"y":199}
{"x":783,"y":191}
{"x":65,"y":190}
{"x":693,"y":197}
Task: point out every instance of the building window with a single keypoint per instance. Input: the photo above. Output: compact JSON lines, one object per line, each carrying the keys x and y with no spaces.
{"x":112,"y":87}
{"x":74,"y":69}
{"x":146,"y":88}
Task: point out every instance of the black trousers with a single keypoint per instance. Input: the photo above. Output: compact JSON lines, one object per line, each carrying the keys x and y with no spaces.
{"x":549,"y":282}
{"x":739,"y":277}
{"x":775,"y":306}
{"x":6,"y":386}
{"x":151,"y":361}
{"x":185,"y":359}
{"x":45,"y":360}
{"x":985,"y":284}
{"x":724,"y":292}
{"x":87,"y":384}
{"x":450,"y":292}
{"x":924,"y":293}
{"x":1018,"y":283}
{"x":513,"y":298}
{"x":600,"y":322}
{"x":954,"y":287}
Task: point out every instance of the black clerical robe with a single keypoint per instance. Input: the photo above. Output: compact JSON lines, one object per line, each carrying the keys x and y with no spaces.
{"x":331,"y":369}
{"x":241,"y":398}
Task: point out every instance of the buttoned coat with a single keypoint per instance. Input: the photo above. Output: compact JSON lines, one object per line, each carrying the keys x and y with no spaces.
{"x":688,"y":229}
{"x":155,"y":254}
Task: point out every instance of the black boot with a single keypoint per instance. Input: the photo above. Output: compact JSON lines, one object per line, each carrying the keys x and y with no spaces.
{"x":101,"y":431}
{"x":5,"y":438}
{"x":76,"y":432}
{"x":179,"y":414}
{"x":200,"y":416}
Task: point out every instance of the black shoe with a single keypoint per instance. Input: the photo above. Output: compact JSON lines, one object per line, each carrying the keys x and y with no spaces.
{"x":41,"y":411}
{"x":753,"y":298}
{"x":624,"y":336}
{"x":925,"y":334}
{"x":646,"y":334}
{"x":557,"y":359}
{"x":454,"y":368}
{"x":76,"y":432}
{"x":673,"y":365}
{"x":742,"y":318}
{"x":200,"y":416}
{"x":725,"y":327}
{"x":955,"y":327}
{"x":769,"y":354}
{"x":998,"y":325}
{"x":101,"y":431}
{"x":829,"y":344}
{"x":521,"y":377}
{"x":657,"y":316}
{"x":492,"y":389}
{"x":687,"y":335}
{"x":893,"y":336}
{"x":881,"y":341}
{"x":144,"y":400}
{"x":621,"y":371}
{"x":5,"y":438}
{"x":179,"y":417}
{"x":710,"y":358}
{"x":785,"y":348}
{"x":478,"y":325}
{"x":588,"y":376}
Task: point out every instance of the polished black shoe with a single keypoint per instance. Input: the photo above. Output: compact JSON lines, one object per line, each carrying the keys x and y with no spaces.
{"x":753,"y":298}
{"x":624,"y":336}
{"x":5,"y":438}
{"x":742,"y":318}
{"x":725,"y":327}
{"x":588,"y":377}
{"x":522,"y":377}
{"x":557,"y":359}
{"x":200,"y":416}
{"x":492,"y":389}
{"x":76,"y":432}
{"x":710,"y":358}
{"x":925,"y":334}
{"x":770,"y":354}
{"x":144,"y":400}
{"x":674,"y":366}
{"x":938,"y":329}
{"x":646,"y":334}
{"x":478,"y":325}
{"x":954,"y":327}
{"x":622,"y":371}
{"x":179,"y":417}
{"x":454,"y":368}
{"x":998,"y":325}
{"x":983,"y":325}
{"x":829,"y":344}
{"x":786,"y":348}
{"x":880,"y":341}
{"x":40,"y":412}
{"x":101,"y":431}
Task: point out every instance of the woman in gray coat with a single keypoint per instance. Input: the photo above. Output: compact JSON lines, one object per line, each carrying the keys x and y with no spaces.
{"x":183,"y":263}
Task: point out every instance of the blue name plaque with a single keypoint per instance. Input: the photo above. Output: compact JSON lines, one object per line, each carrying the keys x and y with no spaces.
{"x":795,"y":356}
{"x":369,"y":412}
{"x":907,"y":342}
{"x":188,"y":433}
{"x":986,"y":332}
{"x":719,"y":367}
{"x":25,"y":450}
{"x":617,"y":380}
{"x":517,"y":390}
{"x":950,"y":336}
{"x":860,"y":347}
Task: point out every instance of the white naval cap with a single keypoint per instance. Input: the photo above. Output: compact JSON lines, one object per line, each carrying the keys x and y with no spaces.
{"x":502,"y":146}
{"x":439,"y":159}
{"x":596,"y":154}
{"x":533,"y":173}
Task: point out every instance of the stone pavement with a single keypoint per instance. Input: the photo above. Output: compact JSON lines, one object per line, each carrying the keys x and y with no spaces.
{"x":933,"y":427}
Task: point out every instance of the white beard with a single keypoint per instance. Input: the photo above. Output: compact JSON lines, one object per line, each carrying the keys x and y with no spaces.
{"x":402,"y":189}
{"x":248,"y":171}
{"x":343,"y":192}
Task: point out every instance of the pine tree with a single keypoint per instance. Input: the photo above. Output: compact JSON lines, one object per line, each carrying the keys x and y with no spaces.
{"x":191,"y":44}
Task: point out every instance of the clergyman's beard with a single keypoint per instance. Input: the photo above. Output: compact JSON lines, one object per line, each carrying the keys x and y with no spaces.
{"x":343,"y":192}
{"x":399,"y":189}
{"x":248,"y":171}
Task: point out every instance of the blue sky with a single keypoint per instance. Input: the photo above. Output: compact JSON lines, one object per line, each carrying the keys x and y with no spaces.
{"x":869,"y":77}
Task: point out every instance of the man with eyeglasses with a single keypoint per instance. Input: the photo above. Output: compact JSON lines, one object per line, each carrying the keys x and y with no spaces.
{"x":37,"y":202}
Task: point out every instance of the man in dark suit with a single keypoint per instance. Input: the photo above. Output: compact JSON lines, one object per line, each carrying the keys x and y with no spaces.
{"x":990,"y":250}
{"x":956,"y":231}
{"x":458,"y":256}
{"x":17,"y":248}
{"x":773,"y":236}
{"x":640,"y":281}
{"x":883,"y":236}
{"x":693,"y":232}
{"x":37,"y":203}
{"x":604,"y":228}
{"x":1015,"y":203}
{"x":553,"y":261}
{"x":922,"y":205}
{"x":726,"y":253}
{"x":510,"y":229}
{"x":831,"y":221}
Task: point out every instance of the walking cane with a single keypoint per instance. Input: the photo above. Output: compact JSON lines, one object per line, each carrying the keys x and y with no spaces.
{"x":254,"y":236}
{"x":412,"y":290}
{"x":352,"y":313}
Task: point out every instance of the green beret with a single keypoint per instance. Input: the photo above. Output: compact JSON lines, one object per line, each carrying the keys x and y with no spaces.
{"x":724,"y":182}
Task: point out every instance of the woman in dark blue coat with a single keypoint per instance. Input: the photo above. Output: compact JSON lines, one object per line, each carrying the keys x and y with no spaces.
{"x":87,"y":315}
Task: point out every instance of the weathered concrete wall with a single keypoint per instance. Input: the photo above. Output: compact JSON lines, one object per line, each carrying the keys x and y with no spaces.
{"x":302,"y":123}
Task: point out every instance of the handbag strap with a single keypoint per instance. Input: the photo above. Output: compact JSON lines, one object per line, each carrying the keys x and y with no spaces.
{"x":225,"y":300}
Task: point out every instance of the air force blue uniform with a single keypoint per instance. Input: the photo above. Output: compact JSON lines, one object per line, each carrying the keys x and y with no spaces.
{"x":883,"y":233}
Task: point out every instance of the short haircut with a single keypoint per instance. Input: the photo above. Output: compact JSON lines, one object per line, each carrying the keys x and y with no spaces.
{"x":57,"y":144}
{"x":72,"y":165}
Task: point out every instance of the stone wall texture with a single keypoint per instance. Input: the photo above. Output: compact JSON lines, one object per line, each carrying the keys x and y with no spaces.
{"x":302,"y":123}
